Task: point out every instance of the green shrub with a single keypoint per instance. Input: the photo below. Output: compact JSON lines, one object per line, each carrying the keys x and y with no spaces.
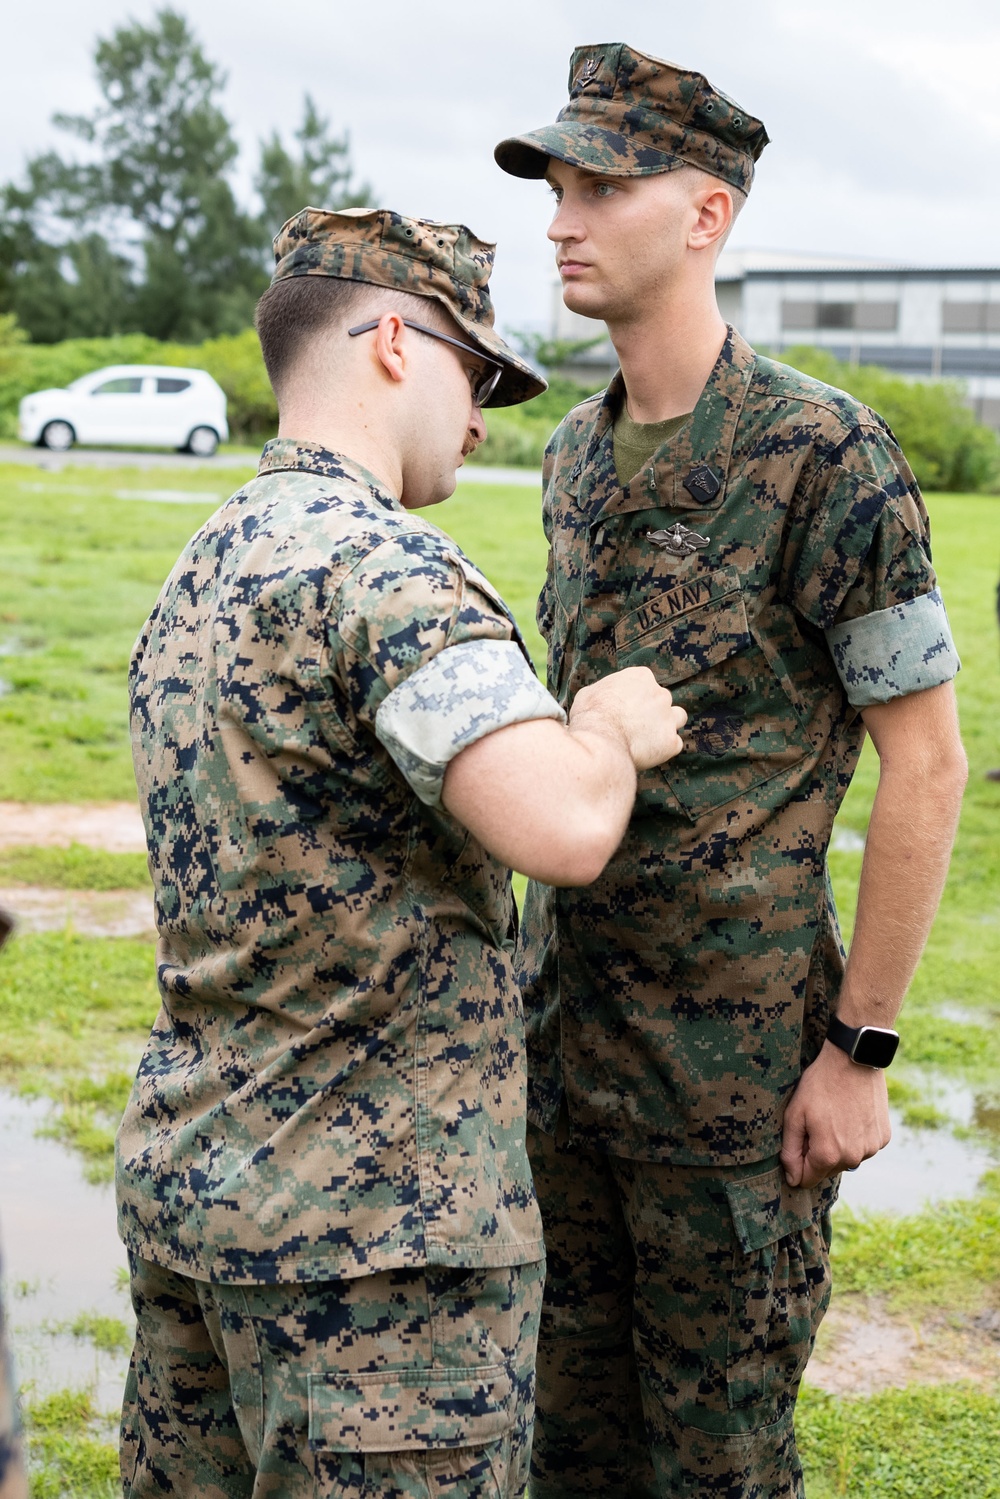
{"x":945,"y":445}
{"x":518,"y":434}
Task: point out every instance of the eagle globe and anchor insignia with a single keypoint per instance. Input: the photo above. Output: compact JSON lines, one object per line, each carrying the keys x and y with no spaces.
{"x":678,"y":540}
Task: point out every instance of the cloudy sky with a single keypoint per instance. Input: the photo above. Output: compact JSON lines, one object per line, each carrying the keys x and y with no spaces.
{"x":884,"y":117}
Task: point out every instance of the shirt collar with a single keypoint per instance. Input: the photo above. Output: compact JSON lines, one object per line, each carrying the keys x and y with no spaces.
{"x":282,"y":454}
{"x":705,"y":440}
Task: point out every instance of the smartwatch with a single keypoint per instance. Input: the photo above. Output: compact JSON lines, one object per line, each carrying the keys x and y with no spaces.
{"x":868,"y":1045}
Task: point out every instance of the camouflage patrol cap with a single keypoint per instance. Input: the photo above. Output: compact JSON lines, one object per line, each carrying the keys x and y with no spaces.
{"x":382,"y":248}
{"x":630,"y":115}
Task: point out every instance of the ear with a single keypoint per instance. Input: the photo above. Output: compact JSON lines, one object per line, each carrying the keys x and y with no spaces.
{"x":714,"y":205}
{"x":390,"y":339}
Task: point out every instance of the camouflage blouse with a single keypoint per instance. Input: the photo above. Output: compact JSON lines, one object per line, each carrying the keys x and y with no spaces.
{"x":335,"y":1084}
{"x":771,"y":564}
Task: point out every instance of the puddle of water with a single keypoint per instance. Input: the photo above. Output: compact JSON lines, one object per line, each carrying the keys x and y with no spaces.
{"x":847,"y":841}
{"x":60,"y":1251}
{"x":917,"y":1167}
{"x":966,"y":1014}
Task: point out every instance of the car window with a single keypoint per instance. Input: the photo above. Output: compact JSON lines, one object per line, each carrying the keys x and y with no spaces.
{"x":124,"y":385}
{"x":165,"y":386}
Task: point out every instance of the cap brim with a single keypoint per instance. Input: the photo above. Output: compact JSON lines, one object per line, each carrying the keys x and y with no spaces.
{"x":519,"y":382}
{"x":587,"y":146}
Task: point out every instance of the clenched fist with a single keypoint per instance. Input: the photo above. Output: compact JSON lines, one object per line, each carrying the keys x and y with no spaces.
{"x":631,"y":705}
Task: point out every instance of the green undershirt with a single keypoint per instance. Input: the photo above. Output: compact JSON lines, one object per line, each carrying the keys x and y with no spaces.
{"x":636,"y":442}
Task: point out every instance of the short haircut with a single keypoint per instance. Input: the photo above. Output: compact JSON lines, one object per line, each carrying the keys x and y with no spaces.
{"x":736,"y":195}
{"x":298,"y":309}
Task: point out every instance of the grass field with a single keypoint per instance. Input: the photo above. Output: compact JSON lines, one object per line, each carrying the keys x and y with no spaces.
{"x":79,"y":569}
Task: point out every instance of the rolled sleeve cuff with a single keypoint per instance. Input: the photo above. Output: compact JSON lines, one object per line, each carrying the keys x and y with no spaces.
{"x":893,"y":652}
{"x":464,"y":693}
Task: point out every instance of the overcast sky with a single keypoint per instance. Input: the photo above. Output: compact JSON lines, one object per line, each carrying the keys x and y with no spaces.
{"x":884,"y":118}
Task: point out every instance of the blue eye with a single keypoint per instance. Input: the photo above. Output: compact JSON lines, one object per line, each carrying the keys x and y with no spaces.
{"x":603,"y":189}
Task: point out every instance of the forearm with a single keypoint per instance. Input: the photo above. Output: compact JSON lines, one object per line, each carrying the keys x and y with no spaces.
{"x":561,"y":823}
{"x":910,"y":837}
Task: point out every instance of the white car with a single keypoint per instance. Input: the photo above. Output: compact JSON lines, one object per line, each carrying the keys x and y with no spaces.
{"x":142,"y":405}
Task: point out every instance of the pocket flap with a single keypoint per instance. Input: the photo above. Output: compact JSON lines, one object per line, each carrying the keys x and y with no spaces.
{"x":765,"y":1209}
{"x":399,"y":1410}
{"x":681,"y":633}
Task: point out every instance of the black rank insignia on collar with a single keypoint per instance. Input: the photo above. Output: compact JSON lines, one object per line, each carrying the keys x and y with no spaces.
{"x":678,"y":540}
{"x":702,"y":484}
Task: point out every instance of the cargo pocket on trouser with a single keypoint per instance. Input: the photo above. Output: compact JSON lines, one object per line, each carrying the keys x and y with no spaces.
{"x":417,"y":1432}
{"x":780,"y":1285}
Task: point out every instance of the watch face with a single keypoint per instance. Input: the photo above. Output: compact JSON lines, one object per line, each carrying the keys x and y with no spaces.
{"x":874,"y":1047}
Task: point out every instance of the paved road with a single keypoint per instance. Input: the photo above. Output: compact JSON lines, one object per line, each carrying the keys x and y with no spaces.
{"x":476,"y":473}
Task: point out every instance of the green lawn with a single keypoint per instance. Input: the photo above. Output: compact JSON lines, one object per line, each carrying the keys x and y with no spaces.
{"x":79,"y":570}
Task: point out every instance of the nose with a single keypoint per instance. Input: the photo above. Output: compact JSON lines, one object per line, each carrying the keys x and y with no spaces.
{"x":477,"y":427}
{"x":564,"y":225}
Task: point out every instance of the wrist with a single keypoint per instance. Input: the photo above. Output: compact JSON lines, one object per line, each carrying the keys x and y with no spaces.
{"x":871,"y":1046}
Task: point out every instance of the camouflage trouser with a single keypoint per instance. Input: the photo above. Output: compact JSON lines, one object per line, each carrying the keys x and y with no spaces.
{"x":403,"y":1384}
{"x":680,"y":1308}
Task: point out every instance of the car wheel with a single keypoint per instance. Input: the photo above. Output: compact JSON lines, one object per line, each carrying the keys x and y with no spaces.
{"x":59,"y":436}
{"x":203,"y":442}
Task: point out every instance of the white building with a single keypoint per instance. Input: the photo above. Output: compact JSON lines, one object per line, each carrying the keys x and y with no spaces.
{"x":922,"y":322}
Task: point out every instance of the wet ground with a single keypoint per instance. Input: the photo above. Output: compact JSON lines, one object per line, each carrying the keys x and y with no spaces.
{"x":63,"y":1261}
{"x":930,"y":1165}
{"x":61,"y":1257}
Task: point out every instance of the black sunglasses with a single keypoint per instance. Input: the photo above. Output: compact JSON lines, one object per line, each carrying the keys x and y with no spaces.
{"x":485,"y":384}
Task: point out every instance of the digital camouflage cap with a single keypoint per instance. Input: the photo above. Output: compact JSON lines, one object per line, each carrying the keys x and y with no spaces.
{"x":630,"y":115}
{"x":382,"y":248}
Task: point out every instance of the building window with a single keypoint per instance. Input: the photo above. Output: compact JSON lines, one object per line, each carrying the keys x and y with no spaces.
{"x":876,"y":317}
{"x":970,"y":317}
{"x":798,"y":315}
{"x":835,"y":315}
{"x":867,"y":317}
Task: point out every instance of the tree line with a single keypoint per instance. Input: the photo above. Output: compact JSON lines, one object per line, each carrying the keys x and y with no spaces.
{"x":140,"y":229}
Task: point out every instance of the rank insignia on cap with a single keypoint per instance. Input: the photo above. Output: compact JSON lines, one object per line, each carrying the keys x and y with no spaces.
{"x":701,"y":484}
{"x":678,"y":540}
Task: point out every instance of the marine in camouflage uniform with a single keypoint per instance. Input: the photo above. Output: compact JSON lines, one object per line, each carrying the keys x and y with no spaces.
{"x":322,"y":1181}
{"x":770,"y":562}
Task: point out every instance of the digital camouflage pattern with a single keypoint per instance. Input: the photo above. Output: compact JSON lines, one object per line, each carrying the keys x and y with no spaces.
{"x":447,"y":704}
{"x":403,"y":1384}
{"x":681,"y":1306}
{"x":631,"y":115}
{"x":382,"y":248}
{"x":335,"y":1083}
{"x":675,"y":1002}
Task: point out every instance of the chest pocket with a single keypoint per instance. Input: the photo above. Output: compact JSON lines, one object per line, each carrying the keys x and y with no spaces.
{"x":743,"y":735}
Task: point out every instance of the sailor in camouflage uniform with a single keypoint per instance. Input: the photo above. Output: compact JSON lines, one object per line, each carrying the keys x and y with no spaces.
{"x":335,"y":1248}
{"x":756,"y":539}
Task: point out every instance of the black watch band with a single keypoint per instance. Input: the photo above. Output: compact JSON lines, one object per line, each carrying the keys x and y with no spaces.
{"x":868,"y":1045}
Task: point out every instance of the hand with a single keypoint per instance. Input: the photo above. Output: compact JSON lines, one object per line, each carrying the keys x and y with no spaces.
{"x":837,"y":1117}
{"x":633,"y":707}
